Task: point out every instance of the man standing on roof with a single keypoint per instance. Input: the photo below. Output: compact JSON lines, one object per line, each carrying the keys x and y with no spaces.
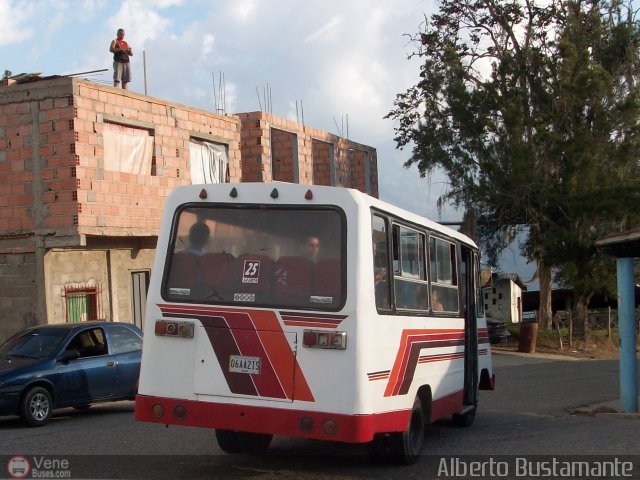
{"x":121,"y":66}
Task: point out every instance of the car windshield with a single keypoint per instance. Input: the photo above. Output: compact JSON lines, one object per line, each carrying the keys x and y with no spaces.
{"x":37,"y":343}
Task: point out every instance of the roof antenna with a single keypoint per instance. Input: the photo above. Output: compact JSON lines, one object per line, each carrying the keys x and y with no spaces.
{"x":258,"y":95}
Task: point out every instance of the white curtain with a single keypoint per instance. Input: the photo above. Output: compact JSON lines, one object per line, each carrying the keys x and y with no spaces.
{"x":209,"y":162}
{"x":127,"y":149}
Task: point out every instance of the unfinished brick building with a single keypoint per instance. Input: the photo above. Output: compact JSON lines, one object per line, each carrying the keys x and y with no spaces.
{"x":276,"y":149}
{"x":85,"y":168}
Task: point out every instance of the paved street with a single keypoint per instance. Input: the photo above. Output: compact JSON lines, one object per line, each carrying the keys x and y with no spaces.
{"x":526,"y":415}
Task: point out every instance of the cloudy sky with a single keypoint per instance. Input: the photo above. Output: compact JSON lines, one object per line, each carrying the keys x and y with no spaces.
{"x":341,"y":62}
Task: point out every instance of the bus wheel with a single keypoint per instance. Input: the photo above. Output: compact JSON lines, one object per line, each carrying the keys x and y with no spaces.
{"x":254,"y":443}
{"x":228,"y":441}
{"x":464,"y":419}
{"x":407,"y":446}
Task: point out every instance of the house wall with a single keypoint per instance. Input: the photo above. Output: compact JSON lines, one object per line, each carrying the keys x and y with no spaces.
{"x":322,"y":154}
{"x":52,"y":175}
{"x":123,"y":263}
{"x":55,"y":193}
{"x":269,"y":145}
{"x":109,"y":269}
{"x":284,"y":147}
{"x":17,"y":281}
{"x":501,"y":301}
{"x":74,"y":267}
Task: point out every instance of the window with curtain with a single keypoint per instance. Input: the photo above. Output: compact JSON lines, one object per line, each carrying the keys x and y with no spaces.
{"x":127,"y":149}
{"x":209,"y":162}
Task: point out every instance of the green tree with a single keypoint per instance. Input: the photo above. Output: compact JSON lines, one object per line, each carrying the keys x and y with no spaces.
{"x":531,"y":110}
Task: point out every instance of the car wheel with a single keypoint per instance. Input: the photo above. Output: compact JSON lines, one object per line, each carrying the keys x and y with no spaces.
{"x":36,"y":407}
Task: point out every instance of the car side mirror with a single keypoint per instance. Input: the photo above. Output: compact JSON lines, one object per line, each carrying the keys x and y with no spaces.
{"x":69,"y":355}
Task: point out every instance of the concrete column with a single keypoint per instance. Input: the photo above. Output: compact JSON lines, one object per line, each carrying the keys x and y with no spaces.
{"x":627,"y":330}
{"x":40,"y":300}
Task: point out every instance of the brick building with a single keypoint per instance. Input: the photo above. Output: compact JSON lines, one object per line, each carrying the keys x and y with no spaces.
{"x":276,"y":149}
{"x":85,"y":168}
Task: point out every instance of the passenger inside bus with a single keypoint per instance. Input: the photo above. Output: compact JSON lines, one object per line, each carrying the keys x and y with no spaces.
{"x":185,"y":268}
{"x":198,"y":238}
{"x":436,"y":304}
{"x":311,"y":247}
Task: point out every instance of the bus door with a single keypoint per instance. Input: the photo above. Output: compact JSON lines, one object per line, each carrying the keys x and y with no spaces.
{"x":468,"y":283}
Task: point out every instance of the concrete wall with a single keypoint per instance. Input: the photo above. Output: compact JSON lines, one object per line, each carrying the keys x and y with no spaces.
{"x":109,"y":269}
{"x":501,"y":301}
{"x":17,"y":282}
{"x":123,"y":263}
{"x":74,"y":267}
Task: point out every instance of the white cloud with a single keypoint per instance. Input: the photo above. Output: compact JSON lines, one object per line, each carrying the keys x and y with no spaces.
{"x":244,"y":9}
{"x":13,"y":22}
{"x":140,"y":21}
{"x":327,"y":31}
{"x":207,"y":44}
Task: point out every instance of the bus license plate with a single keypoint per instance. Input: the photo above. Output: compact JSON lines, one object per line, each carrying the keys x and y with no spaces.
{"x":241,"y":364}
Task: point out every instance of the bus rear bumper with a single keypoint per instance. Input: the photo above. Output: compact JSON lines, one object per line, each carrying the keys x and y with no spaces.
{"x":278,"y":421}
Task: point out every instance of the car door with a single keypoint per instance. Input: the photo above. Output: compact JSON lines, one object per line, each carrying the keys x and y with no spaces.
{"x":126,"y":348}
{"x":93,"y":376}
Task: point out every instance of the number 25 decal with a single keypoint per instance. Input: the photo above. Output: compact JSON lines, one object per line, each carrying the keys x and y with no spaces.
{"x":251,"y":271}
{"x":251,"y":268}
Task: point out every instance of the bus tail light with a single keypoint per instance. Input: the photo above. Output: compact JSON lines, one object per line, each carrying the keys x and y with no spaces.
{"x":323,"y":339}
{"x":168,"y":328}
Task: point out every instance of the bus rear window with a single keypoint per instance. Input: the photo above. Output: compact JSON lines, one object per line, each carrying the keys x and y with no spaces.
{"x":257,"y":256}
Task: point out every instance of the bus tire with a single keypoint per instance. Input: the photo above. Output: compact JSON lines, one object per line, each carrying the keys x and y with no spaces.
{"x":380,"y":448}
{"x":407,"y":446}
{"x":254,"y":443}
{"x":465,"y":419}
{"x":228,"y":441}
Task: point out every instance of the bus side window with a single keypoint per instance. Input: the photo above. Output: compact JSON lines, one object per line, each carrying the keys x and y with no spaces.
{"x":380,"y":261}
{"x":410,"y":281}
{"x":444,"y":279}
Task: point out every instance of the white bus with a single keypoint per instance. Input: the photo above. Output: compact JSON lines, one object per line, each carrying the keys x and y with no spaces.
{"x":310,"y":311}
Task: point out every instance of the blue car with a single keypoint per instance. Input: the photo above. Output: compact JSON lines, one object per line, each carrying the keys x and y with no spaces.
{"x":68,"y":365}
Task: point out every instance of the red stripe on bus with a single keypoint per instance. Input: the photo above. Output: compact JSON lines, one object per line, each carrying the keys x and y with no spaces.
{"x":224,"y":345}
{"x":411,"y":342}
{"x":253,"y":333}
